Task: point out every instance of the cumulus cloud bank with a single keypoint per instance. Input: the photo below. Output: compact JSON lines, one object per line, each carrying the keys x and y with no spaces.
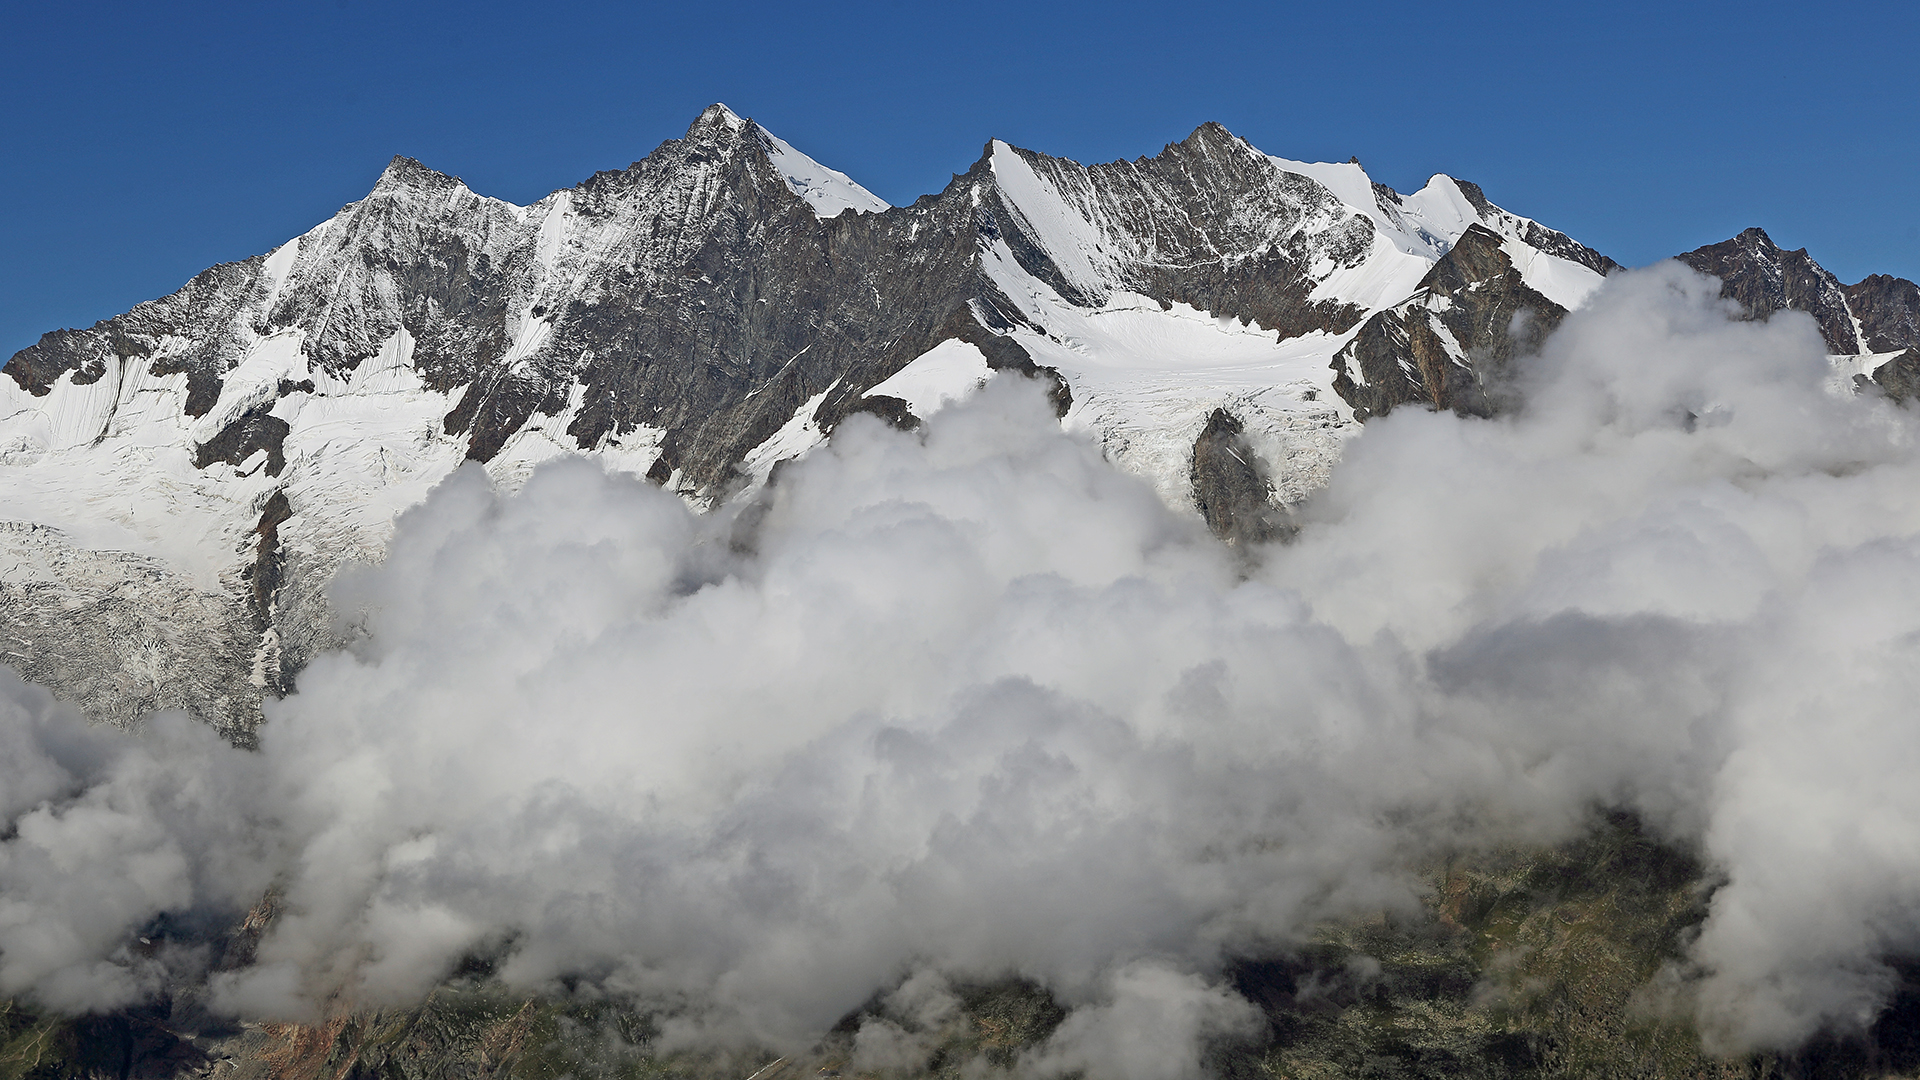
{"x":969,"y":701}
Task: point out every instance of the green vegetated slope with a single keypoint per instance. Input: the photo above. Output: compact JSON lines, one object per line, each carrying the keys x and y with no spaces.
{"x":1553,"y":963}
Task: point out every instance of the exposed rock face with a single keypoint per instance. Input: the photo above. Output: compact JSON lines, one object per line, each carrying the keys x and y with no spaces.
{"x":1889,"y":312}
{"x":1449,"y":346}
{"x":257,"y":432}
{"x":1231,"y":487}
{"x":199,"y":331}
{"x":1880,"y":314}
{"x":1899,"y":377}
{"x":1210,"y":222}
{"x":1764,"y":279}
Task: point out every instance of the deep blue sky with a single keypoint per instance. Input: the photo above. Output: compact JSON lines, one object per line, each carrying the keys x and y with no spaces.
{"x":142,"y":143}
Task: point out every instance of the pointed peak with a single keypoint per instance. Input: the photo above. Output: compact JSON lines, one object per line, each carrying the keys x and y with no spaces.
{"x":402,"y":167}
{"x":994,"y":149}
{"x":1213,"y":133}
{"x":404,"y":173}
{"x":1752,"y":240}
{"x":717,"y":117}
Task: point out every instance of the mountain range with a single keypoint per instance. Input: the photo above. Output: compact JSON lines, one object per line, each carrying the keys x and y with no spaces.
{"x":181,"y":481}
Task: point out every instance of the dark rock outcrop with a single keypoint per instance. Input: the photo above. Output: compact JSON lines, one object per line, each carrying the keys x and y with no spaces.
{"x":1450,"y":345}
{"x":1889,"y":312}
{"x":1231,"y":486}
{"x":1899,"y":377}
{"x":264,"y":573}
{"x":1763,"y":278}
{"x":198,"y":330}
{"x":256,"y":431}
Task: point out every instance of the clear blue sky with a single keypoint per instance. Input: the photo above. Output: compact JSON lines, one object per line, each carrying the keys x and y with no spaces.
{"x":142,"y":143}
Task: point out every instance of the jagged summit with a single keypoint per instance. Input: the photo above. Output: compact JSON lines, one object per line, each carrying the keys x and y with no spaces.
{"x":1764,"y":278}
{"x":718,"y":129}
{"x":405,"y":172}
{"x":715,"y":116}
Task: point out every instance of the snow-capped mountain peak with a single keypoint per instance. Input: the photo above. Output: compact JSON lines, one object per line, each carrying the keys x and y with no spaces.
{"x":717,"y":115}
{"x":404,"y":172}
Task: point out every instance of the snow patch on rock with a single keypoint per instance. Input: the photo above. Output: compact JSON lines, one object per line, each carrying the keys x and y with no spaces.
{"x":829,"y":191}
{"x":949,"y":371}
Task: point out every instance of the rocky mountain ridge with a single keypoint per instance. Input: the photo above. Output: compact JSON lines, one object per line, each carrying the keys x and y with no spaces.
{"x":190,"y":473}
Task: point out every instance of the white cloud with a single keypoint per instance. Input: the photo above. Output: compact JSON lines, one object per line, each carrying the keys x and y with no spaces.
{"x":970,"y":701}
